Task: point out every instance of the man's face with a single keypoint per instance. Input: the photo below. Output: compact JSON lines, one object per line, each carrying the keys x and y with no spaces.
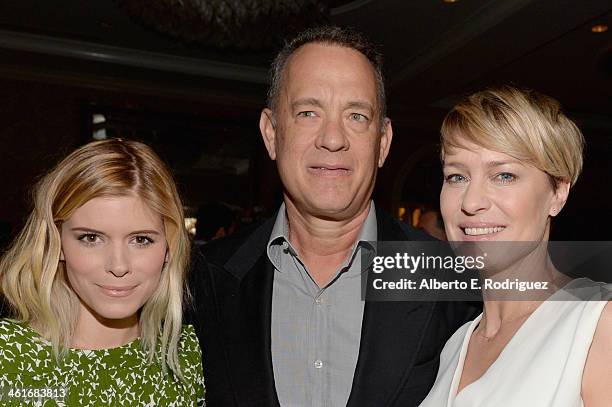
{"x":327,"y":139}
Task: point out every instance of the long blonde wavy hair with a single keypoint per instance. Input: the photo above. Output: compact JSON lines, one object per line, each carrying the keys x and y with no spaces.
{"x":33,"y":279}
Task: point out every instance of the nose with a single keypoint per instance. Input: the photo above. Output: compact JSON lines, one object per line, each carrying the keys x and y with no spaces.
{"x":475,"y":199}
{"x":333,"y":135}
{"x":117,"y":262}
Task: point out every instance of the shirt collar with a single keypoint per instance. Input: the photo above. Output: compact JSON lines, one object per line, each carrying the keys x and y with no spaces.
{"x":369,"y":231}
{"x":280,"y":230}
{"x":279,"y":238}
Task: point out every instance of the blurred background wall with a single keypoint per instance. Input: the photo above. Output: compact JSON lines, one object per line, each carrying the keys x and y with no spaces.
{"x":190,"y":78}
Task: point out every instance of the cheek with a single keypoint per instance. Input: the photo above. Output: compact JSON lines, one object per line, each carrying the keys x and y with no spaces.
{"x":450,"y":202}
{"x":80,"y":263}
{"x":369,"y":154}
{"x":149,"y":265}
{"x":82,"y":271}
{"x":529,"y":206}
{"x":527,"y":212}
{"x":83,"y":276}
{"x":290,"y":151}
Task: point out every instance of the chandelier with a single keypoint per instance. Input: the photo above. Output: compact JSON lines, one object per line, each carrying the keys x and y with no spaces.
{"x":242,"y":24}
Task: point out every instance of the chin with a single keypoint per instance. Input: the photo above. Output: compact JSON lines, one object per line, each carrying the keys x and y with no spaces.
{"x":116,"y":312}
{"x":331,"y":209}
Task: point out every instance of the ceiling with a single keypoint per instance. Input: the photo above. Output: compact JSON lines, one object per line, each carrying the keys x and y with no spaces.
{"x":434,"y":52}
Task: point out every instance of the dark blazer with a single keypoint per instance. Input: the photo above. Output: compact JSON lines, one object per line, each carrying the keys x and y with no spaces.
{"x":231,"y":283}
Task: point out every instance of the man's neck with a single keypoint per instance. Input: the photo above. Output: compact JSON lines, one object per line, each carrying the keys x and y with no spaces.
{"x":322,"y":244}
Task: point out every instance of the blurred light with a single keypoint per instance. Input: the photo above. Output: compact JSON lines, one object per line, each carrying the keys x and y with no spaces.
{"x":416,"y":215}
{"x":401,"y":212}
{"x":99,"y":134}
{"x":451,"y":1}
{"x":599,"y":28}
{"x":98,"y":118}
{"x":190,"y":225}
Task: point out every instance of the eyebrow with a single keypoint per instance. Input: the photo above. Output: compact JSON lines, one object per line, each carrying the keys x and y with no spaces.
{"x":360,"y":105}
{"x":357,"y":104}
{"x":493,"y":164}
{"x":490,"y":164}
{"x":136,"y":232}
{"x":306,"y":102}
{"x":452,"y":164}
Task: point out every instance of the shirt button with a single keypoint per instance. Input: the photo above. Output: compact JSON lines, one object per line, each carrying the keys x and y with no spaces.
{"x":318,"y":301}
{"x":318,"y":364}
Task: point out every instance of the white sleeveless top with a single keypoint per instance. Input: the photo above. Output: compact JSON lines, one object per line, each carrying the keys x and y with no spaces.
{"x":542,"y":364}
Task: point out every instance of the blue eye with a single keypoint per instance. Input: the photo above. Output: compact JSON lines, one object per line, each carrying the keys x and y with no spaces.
{"x":455,"y":179}
{"x":505,"y":177}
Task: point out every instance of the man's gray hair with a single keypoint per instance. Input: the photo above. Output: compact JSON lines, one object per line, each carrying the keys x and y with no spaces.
{"x":332,"y":35}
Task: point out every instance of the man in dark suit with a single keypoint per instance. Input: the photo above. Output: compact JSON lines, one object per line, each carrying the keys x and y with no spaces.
{"x":279,"y":312}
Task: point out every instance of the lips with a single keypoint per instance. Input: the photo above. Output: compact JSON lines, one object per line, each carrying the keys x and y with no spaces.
{"x":117,"y":291}
{"x":329,"y":170}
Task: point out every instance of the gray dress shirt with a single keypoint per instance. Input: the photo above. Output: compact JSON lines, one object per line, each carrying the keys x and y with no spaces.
{"x":315,"y":331}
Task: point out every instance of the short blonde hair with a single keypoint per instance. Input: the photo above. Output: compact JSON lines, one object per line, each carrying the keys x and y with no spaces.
{"x":524,"y":124}
{"x":33,"y":279}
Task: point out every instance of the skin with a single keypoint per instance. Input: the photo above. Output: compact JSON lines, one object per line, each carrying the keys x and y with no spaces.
{"x":488,"y":188}
{"x":328,"y":142}
{"x":485,"y":188}
{"x":114,"y":249}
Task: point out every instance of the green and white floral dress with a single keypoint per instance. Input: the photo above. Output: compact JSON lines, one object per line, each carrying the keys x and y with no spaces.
{"x":30,"y":376}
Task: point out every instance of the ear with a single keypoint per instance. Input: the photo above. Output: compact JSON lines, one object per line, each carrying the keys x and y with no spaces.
{"x":560,"y":197}
{"x":167,"y":256}
{"x":385,"y":141}
{"x":267,"y":127}
{"x":62,"y":257}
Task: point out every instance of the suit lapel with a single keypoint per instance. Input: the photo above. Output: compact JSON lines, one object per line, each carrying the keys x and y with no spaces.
{"x":247,"y":313}
{"x":391,"y":334}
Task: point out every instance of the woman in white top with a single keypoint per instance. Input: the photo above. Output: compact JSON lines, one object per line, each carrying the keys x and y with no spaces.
{"x":510,"y":157}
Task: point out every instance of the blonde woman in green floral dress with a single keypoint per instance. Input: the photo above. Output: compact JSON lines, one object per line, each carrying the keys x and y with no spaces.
{"x":95,"y":282}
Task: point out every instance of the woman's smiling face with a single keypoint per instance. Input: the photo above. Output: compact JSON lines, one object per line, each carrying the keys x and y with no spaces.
{"x":114,"y":250}
{"x":488,"y":195}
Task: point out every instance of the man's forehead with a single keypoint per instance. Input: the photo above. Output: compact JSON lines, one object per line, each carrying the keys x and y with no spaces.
{"x":322,"y":64}
{"x":314,"y":51}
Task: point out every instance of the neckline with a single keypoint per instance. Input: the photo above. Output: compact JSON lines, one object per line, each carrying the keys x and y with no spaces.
{"x":37,"y":337}
{"x":453,"y":394}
